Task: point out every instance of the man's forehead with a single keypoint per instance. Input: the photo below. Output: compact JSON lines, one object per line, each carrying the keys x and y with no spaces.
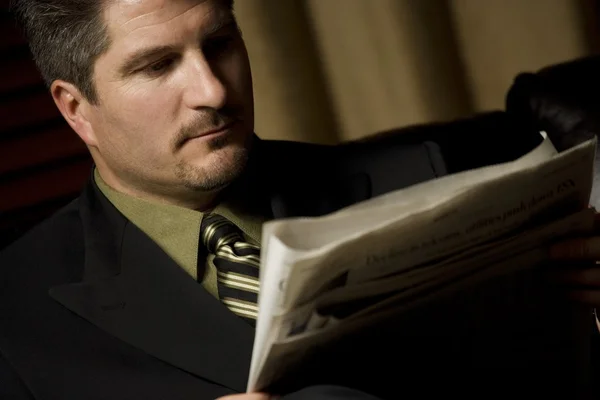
{"x":128,"y":15}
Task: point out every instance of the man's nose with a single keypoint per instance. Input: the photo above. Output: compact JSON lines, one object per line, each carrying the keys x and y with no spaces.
{"x":203,"y":87}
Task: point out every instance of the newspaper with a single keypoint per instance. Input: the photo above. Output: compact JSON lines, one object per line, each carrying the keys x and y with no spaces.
{"x":322,"y":277}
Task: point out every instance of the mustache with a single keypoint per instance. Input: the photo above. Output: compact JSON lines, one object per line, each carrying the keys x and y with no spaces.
{"x":205,"y":121}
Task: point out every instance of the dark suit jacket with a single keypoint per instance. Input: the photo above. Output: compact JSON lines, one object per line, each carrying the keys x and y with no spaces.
{"x":91,"y":308}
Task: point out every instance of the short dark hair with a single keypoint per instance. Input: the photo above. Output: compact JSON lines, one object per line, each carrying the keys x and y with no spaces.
{"x":66,"y":37}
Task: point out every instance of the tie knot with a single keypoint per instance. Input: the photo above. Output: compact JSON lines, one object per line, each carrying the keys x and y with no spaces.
{"x":217,"y":231}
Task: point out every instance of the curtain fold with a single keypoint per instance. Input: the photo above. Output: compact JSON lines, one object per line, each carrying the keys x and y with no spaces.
{"x":334,"y":70}
{"x":291,"y":97}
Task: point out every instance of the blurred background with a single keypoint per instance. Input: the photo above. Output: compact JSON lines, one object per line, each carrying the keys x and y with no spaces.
{"x":325,"y":71}
{"x":331,"y":70}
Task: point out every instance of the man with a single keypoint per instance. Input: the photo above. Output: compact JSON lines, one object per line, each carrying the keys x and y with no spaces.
{"x":121,"y":294}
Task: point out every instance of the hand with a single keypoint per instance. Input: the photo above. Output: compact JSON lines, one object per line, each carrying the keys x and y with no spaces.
{"x":248,"y":396}
{"x":579,"y":268}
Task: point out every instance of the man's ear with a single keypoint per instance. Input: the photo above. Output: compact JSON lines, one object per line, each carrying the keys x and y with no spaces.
{"x":74,"y":108}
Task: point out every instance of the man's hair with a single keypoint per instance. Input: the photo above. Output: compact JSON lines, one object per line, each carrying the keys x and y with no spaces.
{"x":66,"y":37}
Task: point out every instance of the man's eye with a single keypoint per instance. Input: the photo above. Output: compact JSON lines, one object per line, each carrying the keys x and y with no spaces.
{"x":159,"y":66}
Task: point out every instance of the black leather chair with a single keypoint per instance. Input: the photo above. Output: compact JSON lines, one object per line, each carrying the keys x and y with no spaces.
{"x":559,"y":99}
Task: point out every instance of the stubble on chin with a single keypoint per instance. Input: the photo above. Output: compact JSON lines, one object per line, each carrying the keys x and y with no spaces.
{"x":226,"y":162}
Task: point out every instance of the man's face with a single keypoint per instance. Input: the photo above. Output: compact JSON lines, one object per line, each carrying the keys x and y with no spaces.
{"x":175,"y":110}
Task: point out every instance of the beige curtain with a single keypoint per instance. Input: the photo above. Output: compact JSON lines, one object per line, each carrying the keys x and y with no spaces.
{"x":332,"y":70}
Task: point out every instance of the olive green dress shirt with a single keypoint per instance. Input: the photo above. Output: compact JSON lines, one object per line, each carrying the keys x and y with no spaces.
{"x":177,"y":230}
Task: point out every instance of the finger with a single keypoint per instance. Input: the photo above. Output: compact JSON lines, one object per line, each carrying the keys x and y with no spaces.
{"x":587,"y":297}
{"x":589,"y":277}
{"x":577,"y":249}
{"x":597,"y":222}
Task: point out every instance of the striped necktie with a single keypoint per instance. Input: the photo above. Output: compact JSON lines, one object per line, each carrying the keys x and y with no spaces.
{"x":237,"y":263}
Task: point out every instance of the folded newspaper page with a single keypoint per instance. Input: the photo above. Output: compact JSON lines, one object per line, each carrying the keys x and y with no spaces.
{"x":326,"y":276}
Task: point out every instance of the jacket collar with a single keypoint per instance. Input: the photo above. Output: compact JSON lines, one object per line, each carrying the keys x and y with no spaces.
{"x":136,"y":292}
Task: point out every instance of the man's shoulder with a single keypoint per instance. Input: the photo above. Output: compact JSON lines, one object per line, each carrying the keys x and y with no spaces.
{"x":54,"y":242}
{"x":369,"y":145}
{"x":287,"y":148}
{"x":307,"y":155}
{"x":286,"y":158}
{"x":367,"y":150}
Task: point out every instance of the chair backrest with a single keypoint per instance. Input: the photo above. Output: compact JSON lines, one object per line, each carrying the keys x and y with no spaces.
{"x":562,"y":99}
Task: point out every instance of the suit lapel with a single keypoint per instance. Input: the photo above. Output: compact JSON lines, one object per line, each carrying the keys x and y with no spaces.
{"x":136,"y":292}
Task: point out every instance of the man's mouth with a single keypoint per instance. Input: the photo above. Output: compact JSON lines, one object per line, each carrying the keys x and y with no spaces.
{"x":215,"y":131}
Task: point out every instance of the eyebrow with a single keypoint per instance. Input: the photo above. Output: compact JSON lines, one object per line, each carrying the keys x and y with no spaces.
{"x":142,"y":55}
{"x":151,"y":53}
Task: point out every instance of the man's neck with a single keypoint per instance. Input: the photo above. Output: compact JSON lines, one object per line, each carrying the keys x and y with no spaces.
{"x":194,"y":201}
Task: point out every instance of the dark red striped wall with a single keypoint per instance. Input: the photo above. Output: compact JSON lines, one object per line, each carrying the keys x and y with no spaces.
{"x":43,"y":164}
